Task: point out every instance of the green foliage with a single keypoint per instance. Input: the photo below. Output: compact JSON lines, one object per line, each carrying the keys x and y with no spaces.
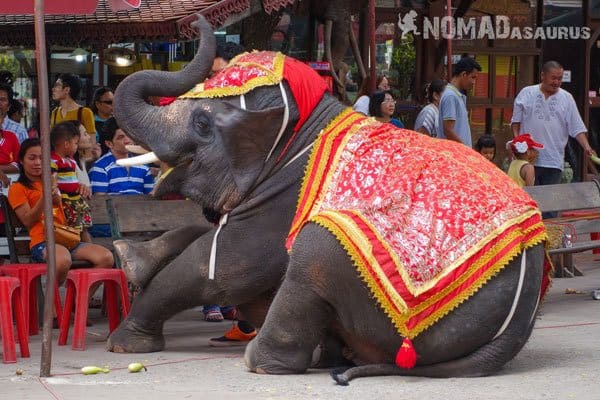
{"x":402,"y":70}
{"x":9,"y":63}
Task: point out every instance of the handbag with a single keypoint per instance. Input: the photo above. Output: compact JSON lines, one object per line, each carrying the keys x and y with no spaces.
{"x":66,"y":236}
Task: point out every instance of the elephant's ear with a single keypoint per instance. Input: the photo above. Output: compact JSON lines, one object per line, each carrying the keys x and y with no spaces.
{"x":248,"y":136}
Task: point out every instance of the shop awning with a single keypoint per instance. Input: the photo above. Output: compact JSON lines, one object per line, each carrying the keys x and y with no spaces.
{"x":153,"y":20}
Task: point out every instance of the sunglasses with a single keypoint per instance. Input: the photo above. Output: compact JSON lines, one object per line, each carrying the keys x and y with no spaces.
{"x":109,"y":102}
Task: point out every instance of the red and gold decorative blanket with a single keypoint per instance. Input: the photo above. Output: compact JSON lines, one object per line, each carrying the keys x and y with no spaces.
{"x":426,"y":221}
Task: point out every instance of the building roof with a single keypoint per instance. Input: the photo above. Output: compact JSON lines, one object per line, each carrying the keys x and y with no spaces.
{"x":154,"y":20}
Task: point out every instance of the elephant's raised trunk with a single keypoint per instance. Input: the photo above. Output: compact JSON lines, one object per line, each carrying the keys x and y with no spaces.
{"x":132,"y":110}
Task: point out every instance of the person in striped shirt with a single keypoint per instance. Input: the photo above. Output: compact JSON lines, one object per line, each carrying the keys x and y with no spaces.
{"x":65,"y":137}
{"x":109,"y":178}
{"x":6,"y":96}
{"x":428,"y":120}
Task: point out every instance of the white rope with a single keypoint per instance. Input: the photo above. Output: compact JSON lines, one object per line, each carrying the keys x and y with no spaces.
{"x":242,"y":102}
{"x":213,"y":249}
{"x":516,"y":299}
{"x":286,"y":118}
{"x":304,"y":150}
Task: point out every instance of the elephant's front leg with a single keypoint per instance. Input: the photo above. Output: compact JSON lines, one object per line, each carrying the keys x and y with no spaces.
{"x":142,"y":260}
{"x":180,"y":285}
{"x":242,"y":273}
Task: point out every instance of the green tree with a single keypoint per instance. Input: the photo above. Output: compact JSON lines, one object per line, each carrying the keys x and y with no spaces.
{"x":402,"y":70}
{"x":9,"y":63}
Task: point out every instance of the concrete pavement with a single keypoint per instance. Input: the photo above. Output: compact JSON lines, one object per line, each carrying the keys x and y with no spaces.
{"x":560,"y":361}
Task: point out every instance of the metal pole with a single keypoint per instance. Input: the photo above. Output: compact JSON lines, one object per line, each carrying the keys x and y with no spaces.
{"x":372,"y":62}
{"x":42,"y":72}
{"x":449,"y":46}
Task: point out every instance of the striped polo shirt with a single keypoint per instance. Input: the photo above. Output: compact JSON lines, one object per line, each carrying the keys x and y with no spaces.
{"x":108,"y":177}
{"x":68,"y":183}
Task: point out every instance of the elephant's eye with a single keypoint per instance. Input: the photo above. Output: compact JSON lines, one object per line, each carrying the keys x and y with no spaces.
{"x":202,"y":126}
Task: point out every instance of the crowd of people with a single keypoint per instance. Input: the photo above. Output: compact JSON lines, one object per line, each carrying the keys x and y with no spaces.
{"x":544,"y":117}
{"x":86,"y":144}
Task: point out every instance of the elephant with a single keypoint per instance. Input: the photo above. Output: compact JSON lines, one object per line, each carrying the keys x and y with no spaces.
{"x":254,"y":148}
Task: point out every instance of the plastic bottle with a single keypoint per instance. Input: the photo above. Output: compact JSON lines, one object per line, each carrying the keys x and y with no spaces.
{"x":568,"y":240}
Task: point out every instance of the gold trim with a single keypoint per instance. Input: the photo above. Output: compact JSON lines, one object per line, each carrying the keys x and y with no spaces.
{"x":362,"y":243}
{"x":339,"y":225}
{"x":416,"y":291}
{"x":273,"y":77}
{"x":323,"y":145}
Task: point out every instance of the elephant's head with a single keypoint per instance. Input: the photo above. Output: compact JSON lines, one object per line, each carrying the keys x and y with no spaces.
{"x":220,"y":145}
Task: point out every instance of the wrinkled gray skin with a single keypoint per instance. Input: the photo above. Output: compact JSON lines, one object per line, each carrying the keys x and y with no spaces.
{"x":219,"y":152}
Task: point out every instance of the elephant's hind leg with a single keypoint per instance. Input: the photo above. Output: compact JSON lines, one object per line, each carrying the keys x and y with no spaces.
{"x":298,"y":316}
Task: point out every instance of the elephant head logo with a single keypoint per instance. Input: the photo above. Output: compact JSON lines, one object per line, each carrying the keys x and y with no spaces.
{"x":406,"y":23}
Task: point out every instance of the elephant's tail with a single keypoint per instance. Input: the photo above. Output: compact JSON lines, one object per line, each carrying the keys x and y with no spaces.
{"x":484,"y":361}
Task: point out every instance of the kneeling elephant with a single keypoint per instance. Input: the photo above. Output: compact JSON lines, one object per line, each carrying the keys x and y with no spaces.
{"x":395,"y":249}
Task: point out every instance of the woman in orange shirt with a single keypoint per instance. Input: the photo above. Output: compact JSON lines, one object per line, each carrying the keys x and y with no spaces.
{"x":25,"y":197}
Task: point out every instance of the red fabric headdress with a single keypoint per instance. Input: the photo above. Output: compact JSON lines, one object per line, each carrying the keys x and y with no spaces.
{"x":251,"y":70}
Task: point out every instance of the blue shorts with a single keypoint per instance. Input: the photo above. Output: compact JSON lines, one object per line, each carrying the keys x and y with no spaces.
{"x":37,"y":251}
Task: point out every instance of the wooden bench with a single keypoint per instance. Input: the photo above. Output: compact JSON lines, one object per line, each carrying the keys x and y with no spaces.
{"x":563,"y":198}
{"x":132,"y":220}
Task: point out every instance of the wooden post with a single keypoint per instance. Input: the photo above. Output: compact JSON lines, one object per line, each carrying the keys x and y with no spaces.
{"x":42,"y":71}
{"x":372,"y":52}
{"x":449,"y":45}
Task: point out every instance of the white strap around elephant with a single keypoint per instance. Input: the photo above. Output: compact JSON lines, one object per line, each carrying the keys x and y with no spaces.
{"x":284,"y":123}
{"x":516,"y":299}
{"x":213,"y":249}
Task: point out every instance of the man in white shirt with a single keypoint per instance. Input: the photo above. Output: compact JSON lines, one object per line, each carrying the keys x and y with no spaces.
{"x":550,"y":115}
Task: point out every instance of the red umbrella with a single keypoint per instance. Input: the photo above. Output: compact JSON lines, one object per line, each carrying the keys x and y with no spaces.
{"x":39,"y":8}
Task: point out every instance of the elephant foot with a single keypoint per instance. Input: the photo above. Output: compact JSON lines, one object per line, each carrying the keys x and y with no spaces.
{"x":129,"y":339}
{"x":261,"y":360}
{"x":136,"y":262}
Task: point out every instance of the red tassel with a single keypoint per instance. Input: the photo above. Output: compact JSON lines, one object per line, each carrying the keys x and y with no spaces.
{"x":406,"y":356}
{"x":165,"y":101}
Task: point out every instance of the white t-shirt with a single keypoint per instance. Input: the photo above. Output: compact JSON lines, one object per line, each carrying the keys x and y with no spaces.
{"x":550,"y":121}
{"x":362,"y":105}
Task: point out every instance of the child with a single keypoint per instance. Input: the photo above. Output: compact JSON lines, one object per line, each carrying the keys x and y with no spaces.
{"x":521,"y":169}
{"x":486,"y":146}
{"x":65,"y":138}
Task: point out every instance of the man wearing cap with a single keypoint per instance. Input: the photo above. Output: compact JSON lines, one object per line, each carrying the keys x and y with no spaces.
{"x":550,"y":115}
{"x":521,"y":169}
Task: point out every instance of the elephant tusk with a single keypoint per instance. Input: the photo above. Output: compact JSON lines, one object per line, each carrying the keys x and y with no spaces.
{"x":136,"y":149}
{"x":138,"y":160}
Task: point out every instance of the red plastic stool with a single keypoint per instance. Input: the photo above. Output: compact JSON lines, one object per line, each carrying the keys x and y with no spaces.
{"x":10,"y":295}
{"x":79,"y":282}
{"x":28,"y":275}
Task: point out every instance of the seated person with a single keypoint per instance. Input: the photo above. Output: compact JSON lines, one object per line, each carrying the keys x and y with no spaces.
{"x":9,"y":150}
{"x":107,"y":177}
{"x":25,"y":197}
{"x":382,"y":106}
